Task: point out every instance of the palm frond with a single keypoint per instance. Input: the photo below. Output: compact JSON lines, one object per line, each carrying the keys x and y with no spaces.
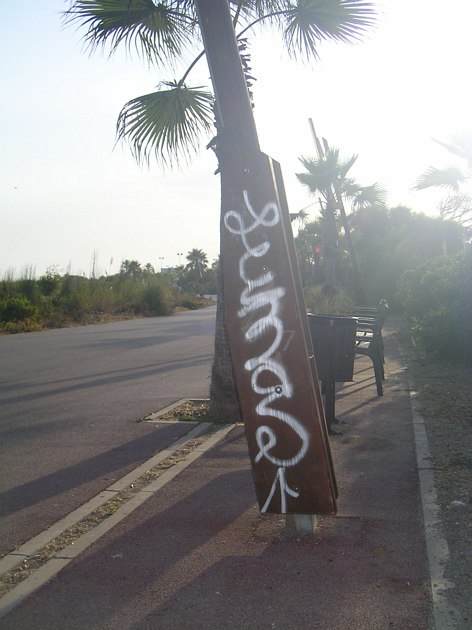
{"x":350,"y":187}
{"x":168,"y":124}
{"x":256,"y":9}
{"x":325,"y":172}
{"x":156,"y":32}
{"x":343,"y":166}
{"x":301,"y":217}
{"x":459,"y":144}
{"x":368,"y":196}
{"x":450,"y":177}
{"x":307,"y":23}
{"x":318,"y":179}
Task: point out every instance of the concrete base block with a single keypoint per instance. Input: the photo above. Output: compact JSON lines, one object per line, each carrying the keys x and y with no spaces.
{"x":302,"y":524}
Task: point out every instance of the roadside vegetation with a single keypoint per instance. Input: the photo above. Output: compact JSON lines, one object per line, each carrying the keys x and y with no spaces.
{"x":54,"y":300}
{"x":437,"y":298}
{"x":421,"y":265}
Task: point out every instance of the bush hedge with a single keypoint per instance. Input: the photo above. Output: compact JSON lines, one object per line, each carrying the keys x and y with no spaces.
{"x":437,"y":297}
{"x":54,"y":301}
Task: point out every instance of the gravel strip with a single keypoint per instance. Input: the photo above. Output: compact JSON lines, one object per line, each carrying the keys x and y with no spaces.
{"x":12,"y":578}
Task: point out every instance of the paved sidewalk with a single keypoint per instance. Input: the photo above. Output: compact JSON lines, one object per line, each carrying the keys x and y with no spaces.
{"x":198,"y":554}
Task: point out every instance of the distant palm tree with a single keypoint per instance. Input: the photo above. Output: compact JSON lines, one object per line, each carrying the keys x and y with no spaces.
{"x":131,"y":269}
{"x":458,"y":204}
{"x":329,"y":172}
{"x":326,"y":177}
{"x":197,"y":263}
{"x":301,"y":217}
{"x":149,"y":269}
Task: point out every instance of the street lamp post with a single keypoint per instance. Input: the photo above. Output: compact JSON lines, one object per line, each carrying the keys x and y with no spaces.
{"x":161,"y":258}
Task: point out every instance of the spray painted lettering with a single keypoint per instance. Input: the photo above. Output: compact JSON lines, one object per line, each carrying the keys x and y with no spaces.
{"x":260,"y":293}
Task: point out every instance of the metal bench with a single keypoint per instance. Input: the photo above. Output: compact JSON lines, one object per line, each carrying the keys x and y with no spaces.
{"x":369,"y":340}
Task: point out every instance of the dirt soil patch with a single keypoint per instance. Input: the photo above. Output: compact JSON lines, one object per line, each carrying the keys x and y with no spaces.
{"x":444,"y":394}
{"x":189,"y":410}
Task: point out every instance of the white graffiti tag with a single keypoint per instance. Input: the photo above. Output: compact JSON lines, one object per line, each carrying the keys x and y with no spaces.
{"x":260,"y":294}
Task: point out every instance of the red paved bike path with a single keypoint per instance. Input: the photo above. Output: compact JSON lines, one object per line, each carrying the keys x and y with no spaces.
{"x":198,"y":554}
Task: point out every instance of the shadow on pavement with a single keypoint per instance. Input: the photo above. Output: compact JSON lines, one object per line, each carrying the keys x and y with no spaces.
{"x":198,"y":555}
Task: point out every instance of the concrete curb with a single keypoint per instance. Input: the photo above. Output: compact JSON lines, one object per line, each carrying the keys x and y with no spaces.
{"x":446,"y":617}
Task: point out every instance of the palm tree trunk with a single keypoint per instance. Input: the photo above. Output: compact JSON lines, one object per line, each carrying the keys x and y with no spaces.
{"x":236,"y":131}
{"x":224,"y":401}
{"x":331,"y":243}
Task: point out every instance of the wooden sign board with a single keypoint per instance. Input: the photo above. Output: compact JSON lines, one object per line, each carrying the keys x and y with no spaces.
{"x":270,"y":343}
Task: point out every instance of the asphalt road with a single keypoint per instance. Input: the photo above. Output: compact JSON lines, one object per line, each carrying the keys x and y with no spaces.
{"x":70,"y":402}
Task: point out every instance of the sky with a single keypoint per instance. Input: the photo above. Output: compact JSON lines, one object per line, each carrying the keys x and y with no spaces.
{"x":73,"y":200}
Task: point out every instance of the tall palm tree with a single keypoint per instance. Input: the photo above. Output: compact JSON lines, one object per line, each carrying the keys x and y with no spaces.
{"x":457,"y":204}
{"x":197,"y":263}
{"x":327,"y":174}
{"x":171,"y":123}
{"x":326,"y":177}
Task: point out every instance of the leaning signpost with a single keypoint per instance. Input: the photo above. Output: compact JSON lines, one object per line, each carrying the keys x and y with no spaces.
{"x":266,"y":321}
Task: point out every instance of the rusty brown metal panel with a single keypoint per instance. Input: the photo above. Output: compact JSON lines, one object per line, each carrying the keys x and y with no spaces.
{"x":280,"y":399}
{"x":298,"y":288}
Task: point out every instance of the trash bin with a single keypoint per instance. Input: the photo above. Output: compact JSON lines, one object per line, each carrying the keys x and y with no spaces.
{"x":334,"y":339}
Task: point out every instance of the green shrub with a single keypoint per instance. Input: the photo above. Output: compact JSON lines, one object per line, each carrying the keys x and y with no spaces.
{"x":76,"y":298}
{"x":437,"y":297}
{"x":328,"y":300}
{"x":103,"y":297}
{"x":50,"y":282}
{"x":25,"y":325}
{"x":17,"y":308}
{"x":157,"y":297}
{"x":128,"y":295}
{"x":189,"y":302}
{"x":28,"y":288}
